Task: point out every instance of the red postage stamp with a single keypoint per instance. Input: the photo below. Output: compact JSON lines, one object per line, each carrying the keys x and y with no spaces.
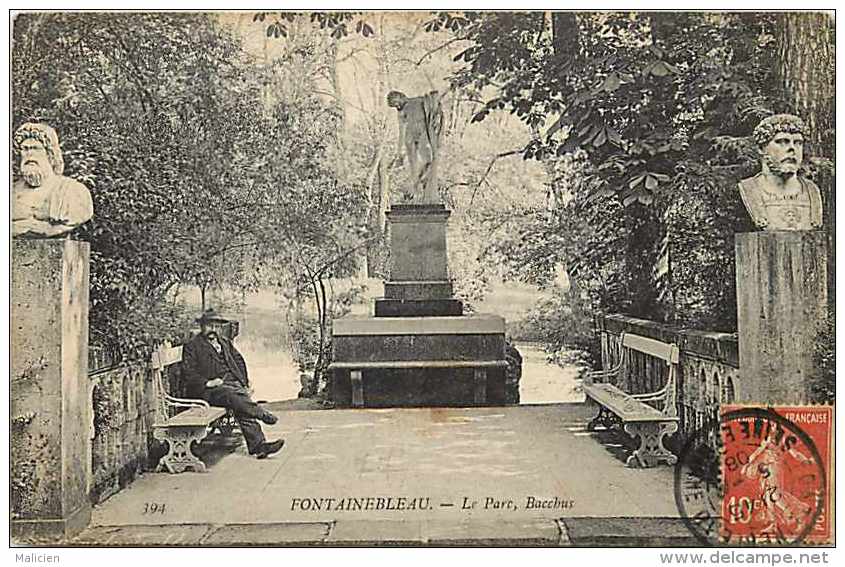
{"x":777,"y":475}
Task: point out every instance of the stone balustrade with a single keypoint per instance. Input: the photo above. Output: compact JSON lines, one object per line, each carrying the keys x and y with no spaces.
{"x":124,"y":409}
{"x":708,"y":371}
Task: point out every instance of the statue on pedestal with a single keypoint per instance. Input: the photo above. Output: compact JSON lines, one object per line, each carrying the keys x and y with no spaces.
{"x":420,"y":125}
{"x":45,"y":203}
{"x":779,"y":197}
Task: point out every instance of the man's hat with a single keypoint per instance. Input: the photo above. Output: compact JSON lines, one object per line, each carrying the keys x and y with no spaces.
{"x":211,"y":316}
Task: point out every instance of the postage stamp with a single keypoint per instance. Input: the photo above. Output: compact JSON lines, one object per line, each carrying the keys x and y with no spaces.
{"x":759,"y":477}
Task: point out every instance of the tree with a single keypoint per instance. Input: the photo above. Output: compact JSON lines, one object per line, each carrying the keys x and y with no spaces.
{"x":806,"y":69}
{"x":658,"y":108}
{"x":481,"y":174}
{"x":197,"y":177}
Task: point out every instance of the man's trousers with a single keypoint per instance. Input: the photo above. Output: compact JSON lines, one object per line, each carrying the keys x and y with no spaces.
{"x":247,"y":412}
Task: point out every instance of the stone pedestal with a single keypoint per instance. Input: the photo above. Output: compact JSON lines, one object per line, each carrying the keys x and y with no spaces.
{"x":419,"y":349}
{"x":50,"y":399}
{"x":418,"y":290}
{"x":419,"y":282}
{"x":418,"y":307}
{"x":418,"y":243}
{"x":419,"y":361}
{"x":781,"y":280}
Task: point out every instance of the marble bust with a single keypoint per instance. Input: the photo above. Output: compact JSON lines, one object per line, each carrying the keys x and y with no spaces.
{"x":779,"y":197}
{"x":420,"y":125}
{"x":45,"y":203}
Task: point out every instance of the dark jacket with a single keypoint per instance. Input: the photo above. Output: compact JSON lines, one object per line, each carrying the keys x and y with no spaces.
{"x":201,"y":363}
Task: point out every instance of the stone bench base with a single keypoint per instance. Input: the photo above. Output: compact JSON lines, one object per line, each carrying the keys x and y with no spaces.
{"x":479,"y":369}
{"x":638,"y":419}
{"x":418,"y":361}
{"x":181,"y":432}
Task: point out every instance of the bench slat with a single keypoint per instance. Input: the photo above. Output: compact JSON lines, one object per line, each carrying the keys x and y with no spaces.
{"x":166,"y":356}
{"x":624,"y":405}
{"x":653,"y":347}
{"x":194,"y":417}
{"x":419,"y":364}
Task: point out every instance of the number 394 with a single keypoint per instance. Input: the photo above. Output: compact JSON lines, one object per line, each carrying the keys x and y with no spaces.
{"x":153,"y":508}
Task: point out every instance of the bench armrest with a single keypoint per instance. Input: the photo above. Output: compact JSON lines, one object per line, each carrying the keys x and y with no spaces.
{"x":185,"y":402}
{"x":603,"y":375}
{"x":649,"y":396}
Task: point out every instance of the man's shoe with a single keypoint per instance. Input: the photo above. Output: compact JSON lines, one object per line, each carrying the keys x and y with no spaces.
{"x":269,"y":448}
{"x":268,"y":418}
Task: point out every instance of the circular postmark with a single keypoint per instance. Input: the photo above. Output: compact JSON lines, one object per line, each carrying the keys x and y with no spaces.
{"x":752,"y":478}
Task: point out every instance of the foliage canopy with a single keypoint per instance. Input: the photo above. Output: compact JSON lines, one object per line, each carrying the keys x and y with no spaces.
{"x":198,"y":176}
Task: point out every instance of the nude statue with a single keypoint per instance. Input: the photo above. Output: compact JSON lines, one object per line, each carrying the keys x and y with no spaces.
{"x":45,"y":203}
{"x":779,"y":197}
{"x":420,"y":125}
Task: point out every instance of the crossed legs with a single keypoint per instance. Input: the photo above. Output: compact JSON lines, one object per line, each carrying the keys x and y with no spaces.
{"x":247,"y":412}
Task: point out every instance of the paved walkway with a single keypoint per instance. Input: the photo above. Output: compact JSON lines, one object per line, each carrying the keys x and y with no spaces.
{"x":471,"y":475}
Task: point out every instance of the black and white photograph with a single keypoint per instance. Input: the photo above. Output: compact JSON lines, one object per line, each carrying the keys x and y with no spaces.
{"x":475,"y":278}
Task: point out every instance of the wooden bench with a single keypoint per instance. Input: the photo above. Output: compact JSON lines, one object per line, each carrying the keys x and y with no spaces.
{"x":650,"y":416}
{"x":480,"y":373}
{"x":190,"y":425}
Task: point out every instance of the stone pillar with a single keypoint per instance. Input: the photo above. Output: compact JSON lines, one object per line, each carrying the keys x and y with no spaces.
{"x":50,"y":396}
{"x":419,"y":284}
{"x":781,"y":280}
{"x":418,"y":243}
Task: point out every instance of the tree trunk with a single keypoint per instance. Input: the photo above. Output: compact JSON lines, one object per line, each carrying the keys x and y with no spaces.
{"x":807,"y":72}
{"x":379,"y":178}
{"x":340,"y":107}
{"x":320,"y":307}
{"x":374,"y":210}
{"x":565,"y":34}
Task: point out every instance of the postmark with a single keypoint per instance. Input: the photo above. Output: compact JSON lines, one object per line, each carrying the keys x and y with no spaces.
{"x":758,"y":477}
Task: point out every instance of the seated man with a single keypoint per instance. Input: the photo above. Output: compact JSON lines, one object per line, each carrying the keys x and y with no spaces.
{"x":215,"y":371}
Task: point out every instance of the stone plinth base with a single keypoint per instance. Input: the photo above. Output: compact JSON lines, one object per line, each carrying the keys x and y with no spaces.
{"x":781,"y":280}
{"x":418,"y":361}
{"x":418,"y":350}
{"x":419,"y":387}
{"x":418,"y":307}
{"x":47,"y":531}
{"x":50,"y":409}
{"x":418,"y":243}
{"x":418,"y":290}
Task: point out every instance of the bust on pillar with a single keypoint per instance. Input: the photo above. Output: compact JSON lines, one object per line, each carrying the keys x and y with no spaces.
{"x":779,"y":197}
{"x":51,"y":410}
{"x":781,"y":270}
{"x":45,"y":203}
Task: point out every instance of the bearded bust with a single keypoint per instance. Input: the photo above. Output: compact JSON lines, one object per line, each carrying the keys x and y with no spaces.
{"x":45,"y":203}
{"x":779,"y":197}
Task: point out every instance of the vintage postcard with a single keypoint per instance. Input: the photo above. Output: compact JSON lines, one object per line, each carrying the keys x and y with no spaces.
{"x":425,"y":278}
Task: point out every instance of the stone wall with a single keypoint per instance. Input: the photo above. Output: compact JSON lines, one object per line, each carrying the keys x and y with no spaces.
{"x":125,"y":406}
{"x":708,"y":373}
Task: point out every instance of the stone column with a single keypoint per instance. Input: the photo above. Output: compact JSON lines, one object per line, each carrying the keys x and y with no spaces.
{"x":781,"y":280}
{"x":50,"y":396}
{"x":418,"y":243}
{"x":419,"y":284}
